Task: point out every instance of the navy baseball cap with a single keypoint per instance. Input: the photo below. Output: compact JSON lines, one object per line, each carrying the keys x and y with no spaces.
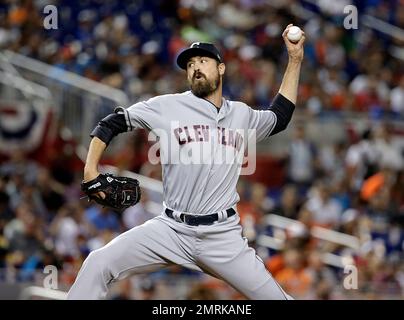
{"x":198,"y":49}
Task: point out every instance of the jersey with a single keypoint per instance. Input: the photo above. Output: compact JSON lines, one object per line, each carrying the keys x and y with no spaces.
{"x":201,"y":146}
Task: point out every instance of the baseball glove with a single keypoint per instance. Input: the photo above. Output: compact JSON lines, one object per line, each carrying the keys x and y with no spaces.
{"x":120,"y":192}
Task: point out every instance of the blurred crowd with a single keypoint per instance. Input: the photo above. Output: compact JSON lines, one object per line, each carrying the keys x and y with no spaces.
{"x":132,"y":45}
{"x":354,"y":186}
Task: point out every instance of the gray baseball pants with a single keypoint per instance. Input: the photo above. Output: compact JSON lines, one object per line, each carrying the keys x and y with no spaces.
{"x":218,"y":249}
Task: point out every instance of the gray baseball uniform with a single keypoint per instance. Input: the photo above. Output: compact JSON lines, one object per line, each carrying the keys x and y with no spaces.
{"x":192,"y":134}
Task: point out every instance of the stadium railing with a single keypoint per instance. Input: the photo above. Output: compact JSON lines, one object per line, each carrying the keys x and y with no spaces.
{"x":284,"y":226}
{"x":79,"y":102}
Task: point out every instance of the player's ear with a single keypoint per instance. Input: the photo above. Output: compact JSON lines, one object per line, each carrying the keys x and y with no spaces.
{"x":222,"y":68}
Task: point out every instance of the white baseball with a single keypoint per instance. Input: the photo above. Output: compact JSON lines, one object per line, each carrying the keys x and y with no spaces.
{"x":294,"y":34}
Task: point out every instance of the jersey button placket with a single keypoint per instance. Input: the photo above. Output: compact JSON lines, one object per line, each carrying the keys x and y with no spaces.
{"x":218,"y":136}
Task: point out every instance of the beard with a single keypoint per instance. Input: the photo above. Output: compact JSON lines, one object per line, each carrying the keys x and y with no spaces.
{"x":203,"y":87}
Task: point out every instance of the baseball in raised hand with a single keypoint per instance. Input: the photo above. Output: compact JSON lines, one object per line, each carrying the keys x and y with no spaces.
{"x":294,"y":42}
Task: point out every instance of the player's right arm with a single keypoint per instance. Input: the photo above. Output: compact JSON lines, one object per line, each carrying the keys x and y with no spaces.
{"x":290,"y":82}
{"x":277,"y":118}
{"x":102,"y":135}
{"x":144,"y":114}
{"x":95,"y":151}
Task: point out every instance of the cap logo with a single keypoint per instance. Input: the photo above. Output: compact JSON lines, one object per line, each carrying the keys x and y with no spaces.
{"x":195,"y":44}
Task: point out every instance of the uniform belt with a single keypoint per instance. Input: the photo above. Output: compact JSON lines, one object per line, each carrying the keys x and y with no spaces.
{"x":193,"y":220}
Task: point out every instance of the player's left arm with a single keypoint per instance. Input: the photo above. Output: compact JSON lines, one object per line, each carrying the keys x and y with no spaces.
{"x":284,"y":102}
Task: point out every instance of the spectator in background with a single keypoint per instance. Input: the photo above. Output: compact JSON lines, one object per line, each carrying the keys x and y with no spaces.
{"x":19,"y":165}
{"x":390,"y":154}
{"x":397,"y":98}
{"x":252,"y":208}
{"x":361,"y":160}
{"x":124,"y":290}
{"x":254,"y":202}
{"x":201,"y":292}
{"x":324,"y":210}
{"x":370,"y":92}
{"x":322,"y":277}
{"x":350,"y":223}
{"x":294,"y":277}
{"x":276,"y":262}
{"x":331,"y":160}
{"x":25,"y":239}
{"x":379,"y":182}
{"x":339,"y":189}
{"x":384,"y":280}
{"x":379,"y":211}
{"x":397,"y":193}
{"x":30,"y":194}
{"x":67,"y":227}
{"x":289,"y":204}
{"x":102,"y":218}
{"x":16,"y":228}
{"x":6,"y":213}
{"x":301,"y":159}
{"x":148,"y":290}
{"x":52,"y":192}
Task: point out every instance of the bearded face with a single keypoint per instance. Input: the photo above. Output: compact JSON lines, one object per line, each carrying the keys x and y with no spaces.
{"x":203,"y":77}
{"x":202,"y":87}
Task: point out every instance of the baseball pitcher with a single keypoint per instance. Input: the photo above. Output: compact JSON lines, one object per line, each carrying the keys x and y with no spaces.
{"x":199,"y":226}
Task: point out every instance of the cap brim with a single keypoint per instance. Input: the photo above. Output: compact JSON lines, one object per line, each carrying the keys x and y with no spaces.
{"x":187,"y":54}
